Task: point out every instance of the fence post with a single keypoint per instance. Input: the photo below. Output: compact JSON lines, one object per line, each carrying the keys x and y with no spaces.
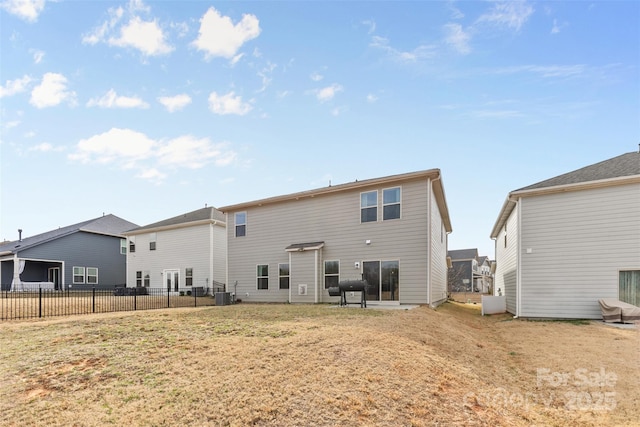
{"x":39,"y":301}
{"x":168,"y":298}
{"x":195,"y":297}
{"x":93,"y":300}
{"x":135,"y":299}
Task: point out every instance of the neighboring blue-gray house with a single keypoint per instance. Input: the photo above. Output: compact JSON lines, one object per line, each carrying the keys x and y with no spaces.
{"x":84,"y":255}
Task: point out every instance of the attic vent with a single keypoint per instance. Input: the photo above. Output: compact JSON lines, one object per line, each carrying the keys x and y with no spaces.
{"x":302,"y":289}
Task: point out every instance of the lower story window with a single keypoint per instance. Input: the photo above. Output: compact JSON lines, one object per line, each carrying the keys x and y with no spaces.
{"x":92,"y":275}
{"x":331,"y":274}
{"x":188,"y":276}
{"x":630,"y":287}
{"x":138,"y":279}
{"x":262,"y":275}
{"x":147,"y":279}
{"x":78,"y":275}
{"x":283,"y":271}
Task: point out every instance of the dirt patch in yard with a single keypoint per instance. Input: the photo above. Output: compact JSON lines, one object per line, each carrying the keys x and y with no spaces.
{"x":289,"y":365}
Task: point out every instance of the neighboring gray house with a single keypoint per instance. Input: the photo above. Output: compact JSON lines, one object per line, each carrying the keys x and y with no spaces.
{"x":469,"y":273}
{"x":564,"y":243}
{"x":85,"y":255}
{"x":180,"y":253}
{"x":391,"y":231}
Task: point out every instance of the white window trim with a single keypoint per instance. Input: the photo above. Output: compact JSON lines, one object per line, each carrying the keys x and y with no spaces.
{"x":367,"y":207}
{"x":324,"y":271}
{"x":235,"y":223}
{"x":87,"y":276}
{"x":263,"y":277}
{"x":73,"y":275}
{"x":287,"y":276}
{"x":399,"y":202}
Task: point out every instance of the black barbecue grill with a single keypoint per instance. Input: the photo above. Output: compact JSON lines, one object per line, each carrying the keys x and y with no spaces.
{"x":350,"y":286}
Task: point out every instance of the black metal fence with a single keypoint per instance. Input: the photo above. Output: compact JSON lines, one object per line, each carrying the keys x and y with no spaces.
{"x":48,"y":303}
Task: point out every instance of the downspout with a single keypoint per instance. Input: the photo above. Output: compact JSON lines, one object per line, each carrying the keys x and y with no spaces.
{"x":211,"y":262}
{"x":315,"y":275}
{"x":519,"y":259}
{"x":429,"y":255}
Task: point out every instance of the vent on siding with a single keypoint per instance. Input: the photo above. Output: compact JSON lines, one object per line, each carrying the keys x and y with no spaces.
{"x":302,"y":289}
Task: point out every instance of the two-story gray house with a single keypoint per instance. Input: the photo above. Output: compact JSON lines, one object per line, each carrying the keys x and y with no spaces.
{"x":391,"y":231}
{"x":564,"y":243}
{"x":83,"y":256}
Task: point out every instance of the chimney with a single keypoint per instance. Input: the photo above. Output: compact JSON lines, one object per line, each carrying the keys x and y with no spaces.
{"x":19,"y":234}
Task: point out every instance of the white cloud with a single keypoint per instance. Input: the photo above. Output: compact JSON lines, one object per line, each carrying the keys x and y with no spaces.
{"x":558,"y":27}
{"x":511,"y":13}
{"x":371,"y":24}
{"x":123,"y":146}
{"x":371,"y":98}
{"x":328,"y":93}
{"x":218,"y":36}
{"x":153,"y":175}
{"x":112,"y":100}
{"x":45,"y":147}
{"x":13,"y":87}
{"x":37,"y":55}
{"x":316,"y":77}
{"x":339,"y":110}
{"x":52,"y":91}
{"x":265,"y":75}
{"x":175,"y":103}
{"x":192,"y":153}
{"x":146,"y":36}
{"x":457,"y":38}
{"x":419,"y":53}
{"x":29,"y":10}
{"x":228,"y":104}
{"x":547,"y":71}
{"x":130,"y":149}
{"x":455,"y":12}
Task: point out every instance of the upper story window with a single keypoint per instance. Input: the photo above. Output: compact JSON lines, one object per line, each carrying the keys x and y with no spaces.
{"x":152,"y":241}
{"x":132,"y":244}
{"x":391,"y":203}
{"x":241,"y":224}
{"x":123,"y":246}
{"x":369,"y":206}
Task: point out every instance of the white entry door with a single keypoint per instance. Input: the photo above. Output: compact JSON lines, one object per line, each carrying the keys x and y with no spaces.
{"x":172,"y":280}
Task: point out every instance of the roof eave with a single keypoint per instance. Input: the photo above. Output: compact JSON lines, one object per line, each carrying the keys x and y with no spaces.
{"x":145,"y":230}
{"x":431,"y":173}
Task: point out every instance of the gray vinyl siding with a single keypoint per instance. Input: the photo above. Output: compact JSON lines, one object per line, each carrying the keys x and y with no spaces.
{"x":82,"y":249}
{"x":579,"y":241}
{"x":335,"y":220}
{"x":304,"y":272}
{"x":201,"y":247}
{"x":438,"y":254}
{"x":505,"y":279}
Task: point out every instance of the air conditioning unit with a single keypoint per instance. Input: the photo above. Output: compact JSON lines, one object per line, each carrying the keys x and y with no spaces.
{"x":302,"y":289}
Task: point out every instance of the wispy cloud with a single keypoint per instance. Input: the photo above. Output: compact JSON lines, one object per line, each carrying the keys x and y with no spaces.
{"x":327,"y":93}
{"x":220,"y":37}
{"x":557,"y":27}
{"x":512,"y":14}
{"x":112,"y":100}
{"x":175,"y":103}
{"x":457,"y":38}
{"x":555,"y":71}
{"x":228,"y":104}
{"x":371,"y":98}
{"x":46,"y":147}
{"x":12,"y":87}
{"x":422,"y":51}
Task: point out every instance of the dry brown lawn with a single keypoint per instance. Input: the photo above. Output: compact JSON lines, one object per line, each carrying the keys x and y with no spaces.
{"x":292,"y":365}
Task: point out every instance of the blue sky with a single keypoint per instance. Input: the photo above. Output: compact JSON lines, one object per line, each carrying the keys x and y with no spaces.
{"x":147,"y":110}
